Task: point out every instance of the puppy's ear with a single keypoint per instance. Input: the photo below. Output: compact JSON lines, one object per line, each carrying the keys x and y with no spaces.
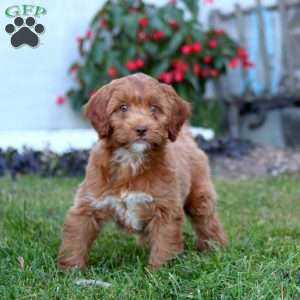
{"x":96,"y":111}
{"x":181,"y":110}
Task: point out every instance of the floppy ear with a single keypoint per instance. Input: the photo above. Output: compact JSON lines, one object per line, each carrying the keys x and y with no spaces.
{"x":96,"y":111}
{"x":181,"y":110}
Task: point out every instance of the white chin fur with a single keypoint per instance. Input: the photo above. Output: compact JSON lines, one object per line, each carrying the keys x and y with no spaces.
{"x":139,"y":147}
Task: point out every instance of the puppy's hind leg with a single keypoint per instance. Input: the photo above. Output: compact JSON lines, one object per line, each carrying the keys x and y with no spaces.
{"x":201,"y":209}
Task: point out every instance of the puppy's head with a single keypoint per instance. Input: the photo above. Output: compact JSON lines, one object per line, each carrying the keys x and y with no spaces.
{"x":137,"y":111}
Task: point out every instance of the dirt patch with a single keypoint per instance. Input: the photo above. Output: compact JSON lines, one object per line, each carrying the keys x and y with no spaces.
{"x":258,"y":161}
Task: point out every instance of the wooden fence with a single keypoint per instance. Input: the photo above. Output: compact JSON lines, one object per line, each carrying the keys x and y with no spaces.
{"x":272,"y":37}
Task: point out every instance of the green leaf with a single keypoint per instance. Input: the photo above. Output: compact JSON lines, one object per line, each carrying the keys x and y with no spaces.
{"x":182,"y":91}
{"x":175,"y":42}
{"x":194,"y":81}
{"x":130,"y":24}
{"x":100,"y":13}
{"x":117,"y":15}
{"x":130,"y":52}
{"x":152,"y":49}
{"x":171,"y":12}
{"x":99,"y":51}
{"x":193,"y":7}
{"x":219,"y":62}
{"x":111,"y":57}
{"x":197,"y":34}
{"x":159,"y":68}
{"x":77,"y":99}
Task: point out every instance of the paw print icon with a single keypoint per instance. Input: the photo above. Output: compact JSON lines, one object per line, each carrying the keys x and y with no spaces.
{"x":24,"y":32}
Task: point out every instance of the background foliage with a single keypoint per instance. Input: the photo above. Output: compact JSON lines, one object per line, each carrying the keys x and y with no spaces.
{"x":166,"y":42}
{"x":47,"y":163}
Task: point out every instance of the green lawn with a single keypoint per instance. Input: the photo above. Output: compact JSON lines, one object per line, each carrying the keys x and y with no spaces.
{"x":262,"y":260}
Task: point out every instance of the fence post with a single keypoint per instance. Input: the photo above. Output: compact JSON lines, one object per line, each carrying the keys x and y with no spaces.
{"x":286,"y":84}
{"x":263,"y":50}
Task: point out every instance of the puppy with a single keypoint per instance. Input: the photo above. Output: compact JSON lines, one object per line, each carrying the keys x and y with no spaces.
{"x":144,"y":173}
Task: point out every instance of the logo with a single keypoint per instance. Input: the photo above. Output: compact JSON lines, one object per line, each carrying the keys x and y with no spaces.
{"x":25,"y":30}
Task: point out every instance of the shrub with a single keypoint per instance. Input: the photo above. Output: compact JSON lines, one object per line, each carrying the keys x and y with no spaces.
{"x":166,"y":42}
{"x":43,"y":163}
{"x":73,"y":162}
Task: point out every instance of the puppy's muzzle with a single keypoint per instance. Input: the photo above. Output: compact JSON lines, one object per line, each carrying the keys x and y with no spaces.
{"x":141,"y":130}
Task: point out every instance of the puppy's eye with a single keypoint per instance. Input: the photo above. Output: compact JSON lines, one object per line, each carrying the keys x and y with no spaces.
{"x":124,"y":108}
{"x":153,"y":108}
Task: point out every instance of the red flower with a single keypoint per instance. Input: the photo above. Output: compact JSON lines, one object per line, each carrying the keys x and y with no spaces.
{"x":208,"y":1}
{"x":142,"y":36}
{"x":207,"y":59}
{"x":197,"y":69}
{"x":131,"y":65}
{"x":79,"y":40}
{"x":166,"y":77}
{"x":173,"y":2}
{"x":103,"y":22}
{"x":88,"y":34}
{"x":196,"y":47}
{"x":139,"y":63}
{"x":242,"y":53}
{"x":112,"y":72}
{"x":186,"y":49}
{"x":206,"y":72}
{"x":143,"y":22}
{"x":248,"y":64}
{"x":214,"y":72}
{"x":180,"y":65}
{"x":219,"y":31}
{"x":213,"y":43}
{"x":158,"y":35}
{"x":173,"y":24}
{"x":74,"y":69}
{"x":178,"y":75}
{"x":234,"y":63}
{"x":60,"y":100}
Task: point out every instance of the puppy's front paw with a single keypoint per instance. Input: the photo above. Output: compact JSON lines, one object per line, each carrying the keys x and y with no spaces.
{"x":152,"y":268}
{"x":202,"y":246}
{"x":71,"y":264}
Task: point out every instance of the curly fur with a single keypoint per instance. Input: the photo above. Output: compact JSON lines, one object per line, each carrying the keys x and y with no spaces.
{"x":145,"y":183}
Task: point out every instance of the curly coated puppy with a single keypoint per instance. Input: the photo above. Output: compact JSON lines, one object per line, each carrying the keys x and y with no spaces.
{"x":144,"y":173}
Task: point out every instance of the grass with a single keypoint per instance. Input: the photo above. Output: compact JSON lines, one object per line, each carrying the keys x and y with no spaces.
{"x":262,"y":260}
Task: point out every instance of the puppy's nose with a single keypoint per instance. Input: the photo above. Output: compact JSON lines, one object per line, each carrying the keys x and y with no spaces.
{"x":141,"y":130}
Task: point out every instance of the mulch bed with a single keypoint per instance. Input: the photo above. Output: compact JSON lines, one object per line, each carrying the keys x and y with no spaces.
{"x":261,"y":160}
{"x":228,"y":158}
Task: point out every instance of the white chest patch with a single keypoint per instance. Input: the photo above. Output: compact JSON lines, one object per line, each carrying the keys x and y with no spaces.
{"x":133,"y":157}
{"x":126,"y":207}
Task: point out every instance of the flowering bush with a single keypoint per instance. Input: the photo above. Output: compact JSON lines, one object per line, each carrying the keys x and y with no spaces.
{"x":165,"y":42}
